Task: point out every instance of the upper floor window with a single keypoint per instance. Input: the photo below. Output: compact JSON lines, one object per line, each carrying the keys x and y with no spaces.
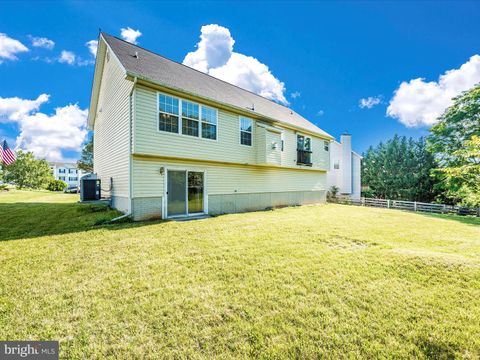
{"x":304,"y":150}
{"x":190,"y":117}
{"x":209,"y":123}
{"x":168,"y":113}
{"x":246,"y":126}
{"x":61,"y":171}
{"x":326,"y":145}
{"x":71,"y":171}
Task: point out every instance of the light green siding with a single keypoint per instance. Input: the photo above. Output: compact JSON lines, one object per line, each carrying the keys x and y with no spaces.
{"x":226,"y":179}
{"x":112,"y":130}
{"x":227,"y":148}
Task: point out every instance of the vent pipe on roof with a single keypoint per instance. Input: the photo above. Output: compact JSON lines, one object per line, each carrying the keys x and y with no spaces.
{"x":136,"y":55}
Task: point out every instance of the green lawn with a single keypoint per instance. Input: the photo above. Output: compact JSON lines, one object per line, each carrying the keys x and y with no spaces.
{"x":314,"y":281}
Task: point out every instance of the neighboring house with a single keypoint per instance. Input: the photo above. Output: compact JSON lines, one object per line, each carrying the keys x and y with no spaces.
{"x":172,"y":141}
{"x":345,"y":168}
{"x":67,"y":172}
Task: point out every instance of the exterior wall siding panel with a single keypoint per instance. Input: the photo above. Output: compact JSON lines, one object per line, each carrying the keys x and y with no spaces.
{"x":112,"y":131}
{"x":227,"y":148}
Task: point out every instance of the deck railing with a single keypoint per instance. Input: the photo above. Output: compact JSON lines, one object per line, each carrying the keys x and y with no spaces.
{"x":409,"y":206}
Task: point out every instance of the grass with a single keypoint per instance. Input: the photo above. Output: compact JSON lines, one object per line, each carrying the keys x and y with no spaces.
{"x":316,"y":281}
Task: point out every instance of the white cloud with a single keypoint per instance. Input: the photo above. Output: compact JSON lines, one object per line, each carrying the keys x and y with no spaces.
{"x":320,"y":113}
{"x":130,"y":35}
{"x":92,"y":47}
{"x":15,"y":108}
{"x":369,"y":102}
{"x":419,"y":103}
{"x":10,"y":47}
{"x":46,"y":135}
{"x":67,"y":57}
{"x":215,"y":56}
{"x":295,"y":94}
{"x":42,"y":42}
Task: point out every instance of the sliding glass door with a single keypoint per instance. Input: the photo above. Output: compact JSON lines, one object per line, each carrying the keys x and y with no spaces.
{"x":195,"y":192}
{"x":185,"y":192}
{"x":176,"y":194}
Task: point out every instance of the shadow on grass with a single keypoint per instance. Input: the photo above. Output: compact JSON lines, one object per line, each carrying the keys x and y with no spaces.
{"x":469,"y":220}
{"x":23,"y":220}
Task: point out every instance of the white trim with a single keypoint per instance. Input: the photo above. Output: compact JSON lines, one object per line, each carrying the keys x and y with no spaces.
{"x":180,"y":118}
{"x":240,"y":130}
{"x":165,"y":191}
{"x":270,"y":128}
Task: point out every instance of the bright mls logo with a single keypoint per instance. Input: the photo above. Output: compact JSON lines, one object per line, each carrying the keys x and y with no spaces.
{"x":35,"y":350}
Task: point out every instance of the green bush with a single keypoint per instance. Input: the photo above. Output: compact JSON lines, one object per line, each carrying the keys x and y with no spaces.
{"x":56,"y":185}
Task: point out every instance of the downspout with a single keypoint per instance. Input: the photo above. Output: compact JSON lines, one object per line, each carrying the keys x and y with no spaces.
{"x":130,"y":145}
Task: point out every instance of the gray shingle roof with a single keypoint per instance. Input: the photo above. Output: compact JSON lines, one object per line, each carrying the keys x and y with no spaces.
{"x":162,"y":71}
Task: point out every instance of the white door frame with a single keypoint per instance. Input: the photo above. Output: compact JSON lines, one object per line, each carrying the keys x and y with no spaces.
{"x":165,"y":191}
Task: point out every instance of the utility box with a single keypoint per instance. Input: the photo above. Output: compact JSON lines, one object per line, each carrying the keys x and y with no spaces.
{"x":90,"y":188}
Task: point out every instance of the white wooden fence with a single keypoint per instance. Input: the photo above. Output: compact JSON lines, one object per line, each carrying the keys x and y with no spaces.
{"x":409,"y":206}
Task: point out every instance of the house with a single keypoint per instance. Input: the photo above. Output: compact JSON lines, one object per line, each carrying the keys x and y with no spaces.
{"x":172,"y":141}
{"x":67,"y":172}
{"x":345,"y":168}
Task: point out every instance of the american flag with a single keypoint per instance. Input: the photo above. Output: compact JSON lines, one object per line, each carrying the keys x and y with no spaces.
{"x":7,"y":156}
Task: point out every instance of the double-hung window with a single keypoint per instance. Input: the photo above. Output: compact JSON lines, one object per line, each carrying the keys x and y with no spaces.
{"x":246,"y":127}
{"x":186,"y":117}
{"x":209,"y":123}
{"x":168,"y":113}
{"x":190,"y":118}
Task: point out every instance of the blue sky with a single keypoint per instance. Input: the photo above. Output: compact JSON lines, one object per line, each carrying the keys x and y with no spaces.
{"x":332,"y":54}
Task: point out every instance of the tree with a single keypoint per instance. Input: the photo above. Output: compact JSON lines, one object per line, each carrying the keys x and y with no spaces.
{"x":86,"y":160}
{"x":399,"y":169}
{"x":452,"y":141}
{"x":463,"y":179}
{"x":28,"y":172}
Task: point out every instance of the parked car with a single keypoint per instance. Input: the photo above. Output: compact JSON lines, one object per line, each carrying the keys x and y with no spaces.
{"x":72,"y":189}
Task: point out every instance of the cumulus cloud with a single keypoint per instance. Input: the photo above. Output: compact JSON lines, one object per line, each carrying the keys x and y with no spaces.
{"x":295,"y":94}
{"x":42,"y":42}
{"x":419,"y":103}
{"x":15,"y":108}
{"x":9,"y":48}
{"x":67,"y":57}
{"x":215,"y":56}
{"x":45,"y":135}
{"x":130,"y":35}
{"x":92,"y":46}
{"x":369,"y":102}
